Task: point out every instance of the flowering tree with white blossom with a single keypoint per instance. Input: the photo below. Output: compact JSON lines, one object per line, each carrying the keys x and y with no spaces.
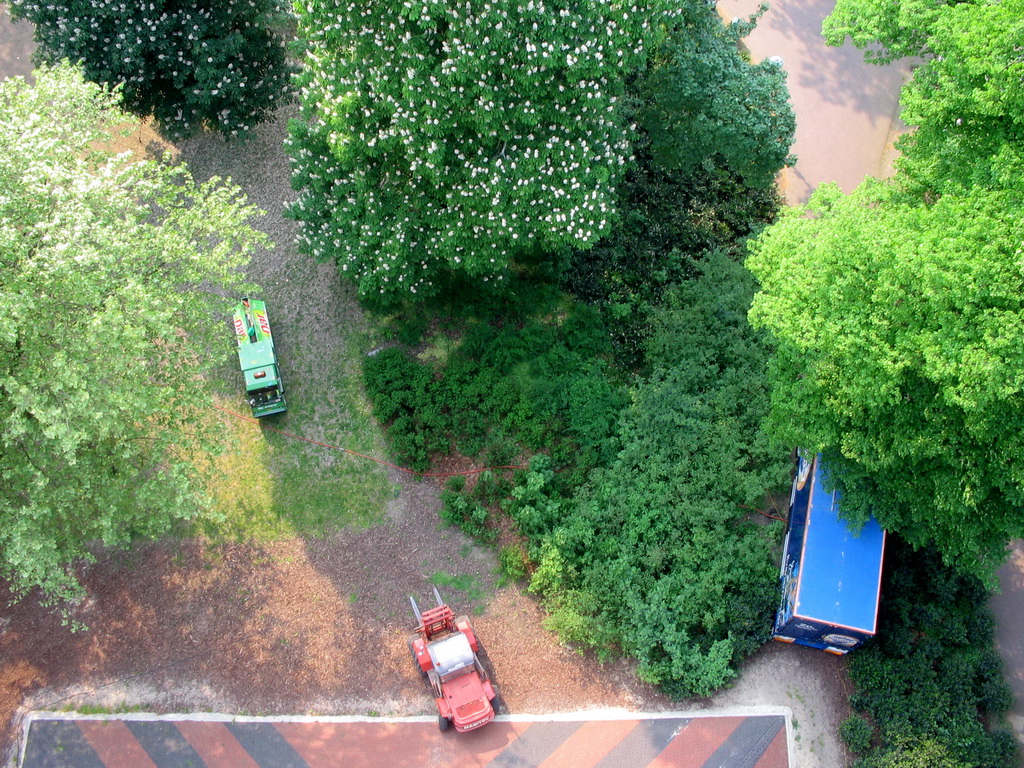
{"x":192,"y":64}
{"x":111,"y":272}
{"x":453,"y":136}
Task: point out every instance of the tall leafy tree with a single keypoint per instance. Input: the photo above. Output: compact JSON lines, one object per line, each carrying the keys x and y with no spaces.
{"x":965,"y":97}
{"x":192,"y":64}
{"x":714,"y":130}
{"x":899,"y":333}
{"x":897,"y":310}
{"x":885,"y":29}
{"x":453,"y":137}
{"x":702,"y":100}
{"x":967,"y":101}
{"x":107,"y":268}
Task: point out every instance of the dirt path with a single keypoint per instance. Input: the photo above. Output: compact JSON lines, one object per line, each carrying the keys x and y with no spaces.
{"x":16,"y":46}
{"x":1008,"y":607}
{"x":847,"y":110}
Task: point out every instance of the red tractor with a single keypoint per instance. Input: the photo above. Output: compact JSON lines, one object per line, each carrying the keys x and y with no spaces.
{"x":445,"y":650}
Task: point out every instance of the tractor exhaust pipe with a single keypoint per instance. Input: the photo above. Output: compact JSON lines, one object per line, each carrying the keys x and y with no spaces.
{"x":437,"y":596}
{"x":416,"y":610}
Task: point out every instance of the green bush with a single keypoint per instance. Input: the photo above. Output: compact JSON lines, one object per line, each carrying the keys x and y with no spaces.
{"x":403,"y":395}
{"x":472,"y":518}
{"x":931,"y":680}
{"x":635,"y":516}
{"x":656,"y":550}
{"x":856,"y":732}
{"x":573,"y":616}
{"x":538,"y":385}
{"x":915,"y":753}
{"x":514,"y":562}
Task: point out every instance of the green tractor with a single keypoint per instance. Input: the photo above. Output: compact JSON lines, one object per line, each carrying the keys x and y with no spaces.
{"x":263,"y":386}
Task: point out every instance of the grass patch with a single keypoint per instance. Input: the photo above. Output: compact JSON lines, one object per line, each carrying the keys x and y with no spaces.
{"x":97,"y":709}
{"x":267,"y":485}
{"x":465,"y":583}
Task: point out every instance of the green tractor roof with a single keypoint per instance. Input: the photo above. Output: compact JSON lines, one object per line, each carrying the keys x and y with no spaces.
{"x":259,"y":365}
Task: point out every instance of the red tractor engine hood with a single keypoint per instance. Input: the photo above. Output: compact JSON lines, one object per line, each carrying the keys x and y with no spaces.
{"x":468,"y":698}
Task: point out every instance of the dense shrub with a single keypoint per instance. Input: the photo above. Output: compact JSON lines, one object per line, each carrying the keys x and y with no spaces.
{"x":655,"y":554}
{"x":470,"y":515}
{"x":931,"y":681}
{"x":402,"y":392}
{"x":856,"y":732}
{"x":514,"y":562}
{"x":541,"y":386}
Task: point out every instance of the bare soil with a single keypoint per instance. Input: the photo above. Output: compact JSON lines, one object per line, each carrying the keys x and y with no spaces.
{"x":319,"y":626}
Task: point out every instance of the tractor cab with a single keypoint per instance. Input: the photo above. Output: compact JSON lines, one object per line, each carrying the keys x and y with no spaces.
{"x":258,"y":359}
{"x":452,"y":656}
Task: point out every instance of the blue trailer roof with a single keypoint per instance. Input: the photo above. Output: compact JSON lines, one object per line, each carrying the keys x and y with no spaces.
{"x":840,"y":576}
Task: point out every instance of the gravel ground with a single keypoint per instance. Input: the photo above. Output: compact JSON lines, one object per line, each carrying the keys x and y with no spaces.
{"x":319,"y":626}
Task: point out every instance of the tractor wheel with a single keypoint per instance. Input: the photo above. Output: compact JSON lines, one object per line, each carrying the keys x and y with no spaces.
{"x":412,"y":652}
{"x":443,"y":723}
{"x":498,"y":703}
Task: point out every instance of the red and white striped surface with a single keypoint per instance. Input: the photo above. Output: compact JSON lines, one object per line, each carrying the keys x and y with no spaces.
{"x":657,"y":741}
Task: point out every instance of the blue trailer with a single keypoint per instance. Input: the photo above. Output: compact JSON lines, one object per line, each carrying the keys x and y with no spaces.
{"x":831,"y":578}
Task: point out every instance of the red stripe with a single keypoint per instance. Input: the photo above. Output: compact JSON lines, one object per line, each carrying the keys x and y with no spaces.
{"x":215,"y":743}
{"x":696,"y":742}
{"x":777,"y":754}
{"x":115,"y":744}
{"x":357,"y":745}
{"x":591,"y":742}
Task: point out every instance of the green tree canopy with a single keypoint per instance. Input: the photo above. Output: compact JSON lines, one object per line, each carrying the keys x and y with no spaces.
{"x":885,"y":29}
{"x":897,"y":309}
{"x":967,"y":101}
{"x":192,"y":64}
{"x":714,"y":131}
{"x":899,"y":332}
{"x":702,"y":100}
{"x":452,"y":137}
{"x":966,"y":96}
{"x":106,"y":272}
